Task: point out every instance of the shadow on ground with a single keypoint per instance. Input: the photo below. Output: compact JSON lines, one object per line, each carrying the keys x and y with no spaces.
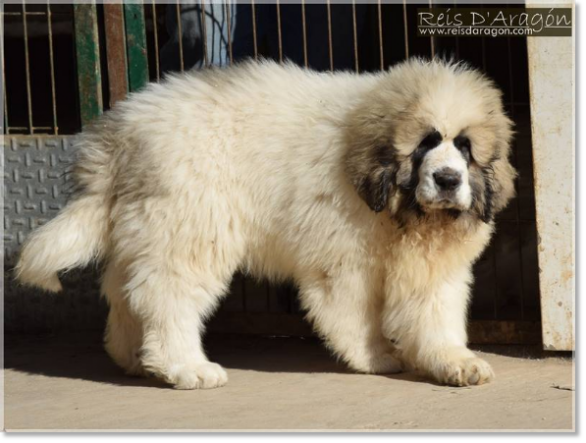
{"x":83,"y":357}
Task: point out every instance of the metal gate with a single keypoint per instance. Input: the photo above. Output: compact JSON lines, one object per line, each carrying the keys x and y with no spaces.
{"x":65,"y":64}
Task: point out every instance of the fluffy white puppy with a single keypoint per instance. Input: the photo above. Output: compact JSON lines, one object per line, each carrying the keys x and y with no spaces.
{"x":374,"y":193}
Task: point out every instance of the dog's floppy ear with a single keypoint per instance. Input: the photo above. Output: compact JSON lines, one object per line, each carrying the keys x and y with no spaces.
{"x":493,"y":176}
{"x":503,"y":182}
{"x":371,"y":158}
{"x":500,"y":175}
{"x":373,"y":174}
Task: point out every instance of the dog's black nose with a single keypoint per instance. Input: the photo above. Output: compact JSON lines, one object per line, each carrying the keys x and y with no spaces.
{"x":447,"y":179}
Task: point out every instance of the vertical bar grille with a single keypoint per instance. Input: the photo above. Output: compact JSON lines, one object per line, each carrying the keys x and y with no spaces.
{"x":254,"y":38}
{"x":52,"y":68}
{"x":457,"y":40}
{"x":138,"y":71}
{"x":483,"y":43}
{"x":279,"y":32}
{"x":330,"y":44}
{"x":156,"y":41}
{"x":180,"y":37}
{"x":29,"y":95}
{"x":406,"y":28}
{"x":432,"y":38}
{"x":204,"y":33}
{"x":4,"y":98}
{"x":116,"y":51}
{"x":228,"y":12}
{"x":304,"y":30}
{"x":88,"y":61}
{"x":380,"y":36}
{"x":355,"y":35}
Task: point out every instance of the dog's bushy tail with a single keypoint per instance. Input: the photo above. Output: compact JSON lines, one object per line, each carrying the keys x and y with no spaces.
{"x":74,"y":238}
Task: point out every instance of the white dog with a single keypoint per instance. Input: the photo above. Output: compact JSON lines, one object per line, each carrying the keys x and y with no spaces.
{"x":375,"y":193}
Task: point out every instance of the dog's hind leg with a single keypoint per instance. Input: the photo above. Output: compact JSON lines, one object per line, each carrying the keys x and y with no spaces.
{"x":172,"y":306}
{"x":123,"y":338}
{"x":180,"y":254}
{"x":346,"y":313}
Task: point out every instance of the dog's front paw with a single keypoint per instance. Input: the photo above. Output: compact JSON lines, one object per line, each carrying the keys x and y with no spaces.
{"x":206,"y":375}
{"x":466,"y":372}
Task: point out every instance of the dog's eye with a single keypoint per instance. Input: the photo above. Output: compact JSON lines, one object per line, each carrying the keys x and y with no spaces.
{"x":431,"y":140}
{"x":462,"y":143}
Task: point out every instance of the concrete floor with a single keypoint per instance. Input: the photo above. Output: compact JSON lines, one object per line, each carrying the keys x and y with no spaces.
{"x":53,"y":383}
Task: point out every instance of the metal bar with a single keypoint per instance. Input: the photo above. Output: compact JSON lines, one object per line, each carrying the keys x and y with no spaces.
{"x":4,"y":95}
{"x":406,"y":29}
{"x":431,"y":38}
{"x":279,"y":32}
{"x":35,"y":128}
{"x":52,"y":63}
{"x":180,"y":37}
{"x":25,"y":130}
{"x":205,"y":33}
{"x":136,"y":46}
{"x":304,"y":24}
{"x":355,"y":33}
{"x":116,"y":51}
{"x":228,"y":12}
{"x":483,"y":46}
{"x":29,"y":97}
{"x":253,"y":8}
{"x":330,"y":43}
{"x":457,"y":38}
{"x":88,"y":61}
{"x":26,"y":13}
{"x":380,"y":35}
{"x":156,"y":36}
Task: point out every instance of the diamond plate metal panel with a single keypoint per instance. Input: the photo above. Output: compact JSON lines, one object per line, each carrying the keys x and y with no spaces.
{"x":34,"y":185}
{"x":35,"y":189}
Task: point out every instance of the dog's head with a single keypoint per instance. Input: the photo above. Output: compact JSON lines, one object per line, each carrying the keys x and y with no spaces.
{"x":432,"y":138}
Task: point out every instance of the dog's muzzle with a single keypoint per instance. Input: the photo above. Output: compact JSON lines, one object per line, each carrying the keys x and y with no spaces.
{"x":443,"y":180}
{"x":447,"y":180}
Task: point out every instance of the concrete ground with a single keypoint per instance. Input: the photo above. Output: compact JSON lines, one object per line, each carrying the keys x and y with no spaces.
{"x":53,"y":383}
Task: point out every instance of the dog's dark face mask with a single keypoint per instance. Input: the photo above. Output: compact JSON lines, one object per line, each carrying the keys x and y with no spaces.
{"x":439,"y":174}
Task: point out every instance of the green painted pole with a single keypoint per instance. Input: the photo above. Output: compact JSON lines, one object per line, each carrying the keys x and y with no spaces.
{"x":136,"y":46}
{"x":87,"y":49}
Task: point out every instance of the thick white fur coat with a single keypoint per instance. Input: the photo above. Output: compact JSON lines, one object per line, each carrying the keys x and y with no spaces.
{"x":246,"y":169}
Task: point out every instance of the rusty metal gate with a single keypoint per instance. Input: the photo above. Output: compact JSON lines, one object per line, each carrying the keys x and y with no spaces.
{"x":62,"y":65}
